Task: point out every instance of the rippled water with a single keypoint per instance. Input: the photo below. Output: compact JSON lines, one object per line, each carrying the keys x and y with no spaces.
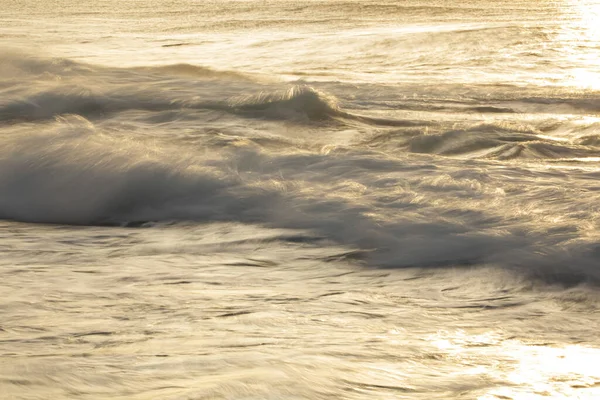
{"x":316,"y":200}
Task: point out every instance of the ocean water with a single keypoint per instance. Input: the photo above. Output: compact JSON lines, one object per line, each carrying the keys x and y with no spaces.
{"x":318,"y":199}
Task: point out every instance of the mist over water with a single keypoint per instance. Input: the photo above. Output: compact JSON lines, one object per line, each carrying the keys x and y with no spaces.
{"x":311,"y":200}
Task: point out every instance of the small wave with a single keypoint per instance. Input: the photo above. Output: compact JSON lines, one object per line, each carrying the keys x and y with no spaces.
{"x":30,"y":73}
{"x":491,"y":109}
{"x":176,"y":45}
{"x":589,"y":140}
{"x":304,"y":103}
{"x":298,"y":102}
{"x":588,"y":103}
{"x":197,"y":71}
{"x":14,"y":63}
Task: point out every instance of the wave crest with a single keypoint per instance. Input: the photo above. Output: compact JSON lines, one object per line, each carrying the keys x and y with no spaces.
{"x":298,"y":102}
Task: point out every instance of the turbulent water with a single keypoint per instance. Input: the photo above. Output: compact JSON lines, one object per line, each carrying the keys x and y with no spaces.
{"x":318,"y":199}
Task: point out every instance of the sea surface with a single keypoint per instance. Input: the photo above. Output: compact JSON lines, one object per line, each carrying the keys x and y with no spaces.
{"x":311,"y":199}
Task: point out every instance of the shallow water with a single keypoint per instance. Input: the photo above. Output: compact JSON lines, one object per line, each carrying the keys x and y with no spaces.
{"x":322,"y":199}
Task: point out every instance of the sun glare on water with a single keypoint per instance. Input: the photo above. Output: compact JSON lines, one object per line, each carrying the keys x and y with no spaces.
{"x":581,"y":34}
{"x":524,"y":371}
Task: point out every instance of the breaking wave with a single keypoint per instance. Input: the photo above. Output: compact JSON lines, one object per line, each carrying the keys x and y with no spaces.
{"x":81,"y":145}
{"x":401,"y":212}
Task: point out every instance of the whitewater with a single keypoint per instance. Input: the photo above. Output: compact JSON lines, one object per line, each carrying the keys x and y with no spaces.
{"x":319,"y":199}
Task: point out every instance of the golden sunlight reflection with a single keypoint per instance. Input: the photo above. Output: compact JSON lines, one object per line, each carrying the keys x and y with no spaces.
{"x":581,"y":35}
{"x":589,"y":12}
{"x":524,"y":371}
{"x":584,"y":78}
